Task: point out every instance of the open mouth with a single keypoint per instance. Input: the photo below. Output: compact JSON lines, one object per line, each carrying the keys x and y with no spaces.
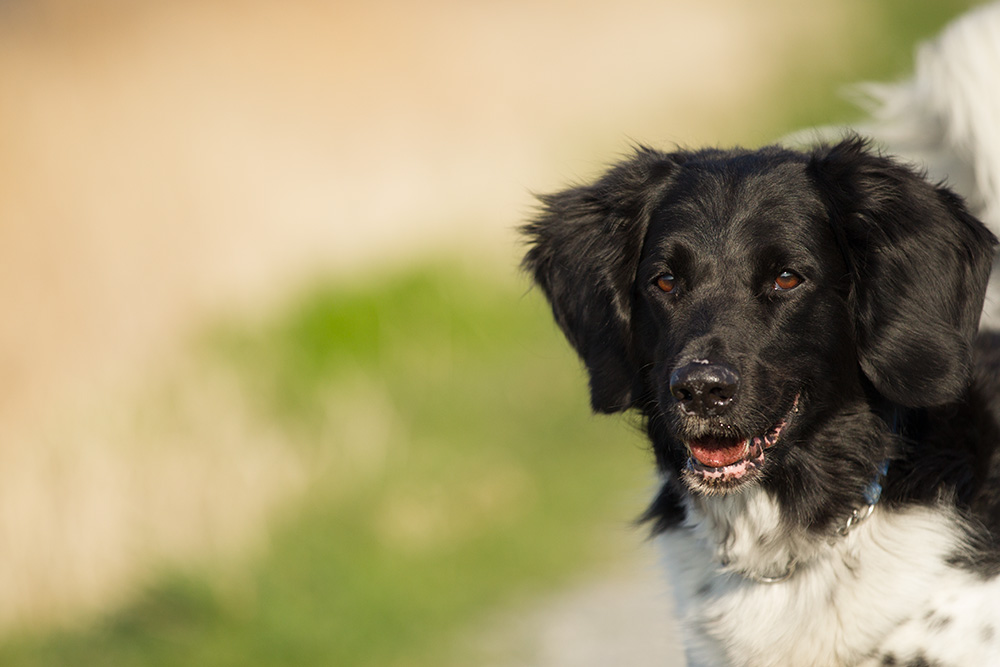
{"x":717,"y":465}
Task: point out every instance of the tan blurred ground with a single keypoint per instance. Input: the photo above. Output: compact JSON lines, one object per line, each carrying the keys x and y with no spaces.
{"x":163,"y":161}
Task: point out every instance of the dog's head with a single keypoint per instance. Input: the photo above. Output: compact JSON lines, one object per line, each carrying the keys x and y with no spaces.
{"x":745,"y":301}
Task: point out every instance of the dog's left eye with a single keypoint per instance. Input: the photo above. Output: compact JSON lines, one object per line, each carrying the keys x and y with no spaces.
{"x":667,"y":283}
{"x":787,"y":280}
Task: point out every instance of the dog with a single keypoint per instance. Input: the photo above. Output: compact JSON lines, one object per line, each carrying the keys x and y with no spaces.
{"x":798,"y":330}
{"x":799,"y":333}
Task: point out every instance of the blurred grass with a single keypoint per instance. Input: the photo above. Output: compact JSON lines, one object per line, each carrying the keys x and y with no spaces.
{"x":491,"y":483}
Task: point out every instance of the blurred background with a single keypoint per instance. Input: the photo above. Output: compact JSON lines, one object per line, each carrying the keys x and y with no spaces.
{"x":272,"y":390}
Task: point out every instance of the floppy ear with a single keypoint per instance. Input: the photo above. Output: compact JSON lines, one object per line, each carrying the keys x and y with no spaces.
{"x":584,"y":252}
{"x":919,"y":263}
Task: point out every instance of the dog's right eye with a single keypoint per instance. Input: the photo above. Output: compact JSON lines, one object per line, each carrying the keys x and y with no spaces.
{"x":786,"y":281}
{"x":667,"y":283}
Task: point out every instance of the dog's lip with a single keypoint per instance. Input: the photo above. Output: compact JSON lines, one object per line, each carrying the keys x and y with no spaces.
{"x":716,"y":457}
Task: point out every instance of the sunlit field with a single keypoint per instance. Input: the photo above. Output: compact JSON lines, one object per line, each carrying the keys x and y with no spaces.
{"x":452,"y":465}
{"x":280,"y":396}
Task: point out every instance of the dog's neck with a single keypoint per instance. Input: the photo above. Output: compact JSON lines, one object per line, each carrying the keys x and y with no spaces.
{"x":747,"y":535}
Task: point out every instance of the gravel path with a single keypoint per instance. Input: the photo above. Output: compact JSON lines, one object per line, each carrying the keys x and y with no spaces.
{"x":622,"y":617}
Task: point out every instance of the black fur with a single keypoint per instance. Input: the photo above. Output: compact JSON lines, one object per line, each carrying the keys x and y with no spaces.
{"x":882,"y":327}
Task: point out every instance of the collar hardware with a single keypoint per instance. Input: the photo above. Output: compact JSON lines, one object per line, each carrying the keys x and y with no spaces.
{"x":872,"y":494}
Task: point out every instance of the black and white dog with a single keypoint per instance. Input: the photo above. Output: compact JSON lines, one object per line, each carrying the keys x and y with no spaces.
{"x":798,"y":330}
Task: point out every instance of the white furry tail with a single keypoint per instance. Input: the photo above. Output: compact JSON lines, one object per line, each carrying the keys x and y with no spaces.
{"x":947,"y":116}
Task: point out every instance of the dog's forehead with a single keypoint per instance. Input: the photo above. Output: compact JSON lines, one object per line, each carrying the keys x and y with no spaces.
{"x":740,"y":200}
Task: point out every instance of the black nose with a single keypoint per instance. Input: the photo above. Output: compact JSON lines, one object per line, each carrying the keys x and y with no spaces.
{"x":704,"y":389}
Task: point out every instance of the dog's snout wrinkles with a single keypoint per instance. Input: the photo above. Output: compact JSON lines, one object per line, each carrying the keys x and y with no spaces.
{"x":704,"y":389}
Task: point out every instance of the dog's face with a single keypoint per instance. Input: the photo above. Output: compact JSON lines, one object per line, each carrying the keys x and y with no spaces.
{"x":753,"y":303}
{"x":738,"y":267}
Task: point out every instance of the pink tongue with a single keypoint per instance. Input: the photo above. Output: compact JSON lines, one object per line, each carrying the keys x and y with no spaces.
{"x":718,"y":453}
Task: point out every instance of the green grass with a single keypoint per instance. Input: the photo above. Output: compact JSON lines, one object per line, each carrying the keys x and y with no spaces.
{"x":494,"y":481}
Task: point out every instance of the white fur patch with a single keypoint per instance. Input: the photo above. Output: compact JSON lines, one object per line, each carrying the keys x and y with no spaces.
{"x":851,"y":599}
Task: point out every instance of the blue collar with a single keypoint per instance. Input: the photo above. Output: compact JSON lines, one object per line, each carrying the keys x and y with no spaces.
{"x":873,"y":492}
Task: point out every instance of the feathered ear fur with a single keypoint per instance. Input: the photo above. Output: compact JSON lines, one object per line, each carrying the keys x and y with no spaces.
{"x":584,"y":251}
{"x":919,"y":263}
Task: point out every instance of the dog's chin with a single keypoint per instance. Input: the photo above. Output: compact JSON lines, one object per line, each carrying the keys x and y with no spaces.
{"x":720,"y":465}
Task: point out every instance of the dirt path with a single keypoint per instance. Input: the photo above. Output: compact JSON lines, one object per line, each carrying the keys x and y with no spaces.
{"x":622,"y":617}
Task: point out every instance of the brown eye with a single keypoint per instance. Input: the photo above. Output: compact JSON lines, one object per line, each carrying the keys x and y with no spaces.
{"x":787,"y":280}
{"x":667,"y":283}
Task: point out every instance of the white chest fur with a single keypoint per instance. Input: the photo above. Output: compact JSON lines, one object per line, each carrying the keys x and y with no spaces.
{"x":851,"y":599}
